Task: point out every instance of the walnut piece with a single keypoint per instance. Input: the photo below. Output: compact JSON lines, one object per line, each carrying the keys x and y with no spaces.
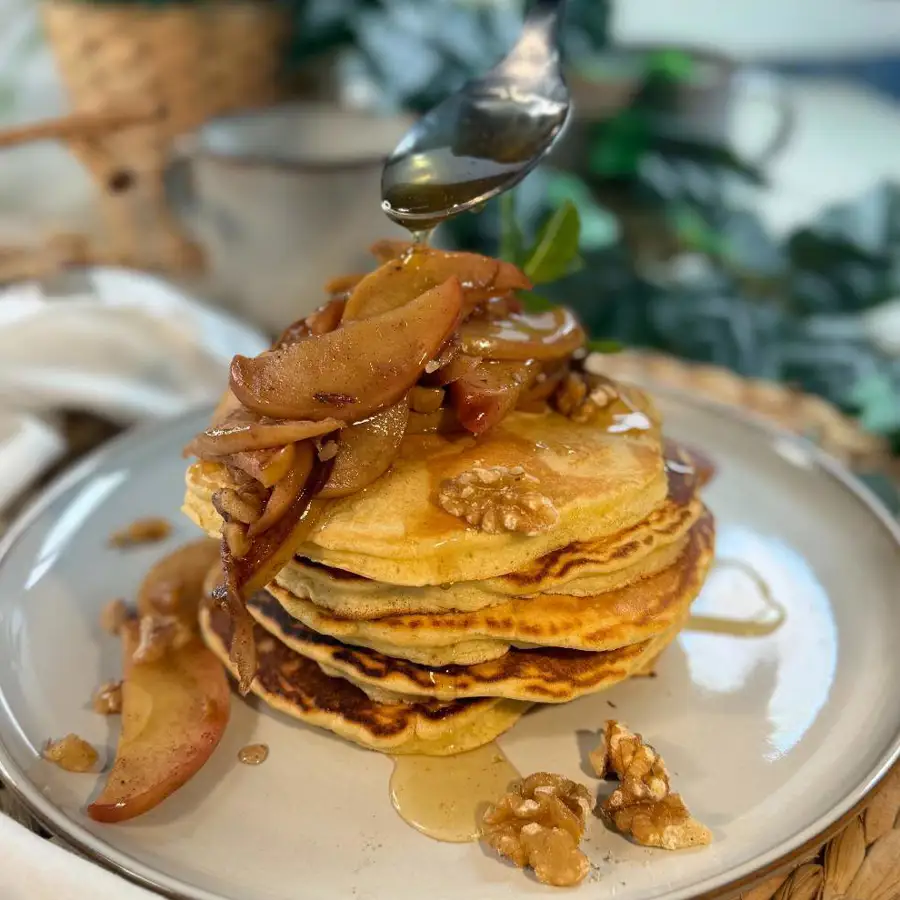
{"x":539,"y":823}
{"x":498,"y":499}
{"x":107,"y":699}
{"x":72,"y":753}
{"x":158,"y":635}
{"x":141,"y":531}
{"x":581,"y":396}
{"x":113,"y":616}
{"x":643,"y":805}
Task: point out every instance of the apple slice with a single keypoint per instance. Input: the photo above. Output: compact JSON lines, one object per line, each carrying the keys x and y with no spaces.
{"x":174,"y":713}
{"x":366,"y":451}
{"x":175,"y":584}
{"x":488,"y":392}
{"x":550,"y":335}
{"x":422,"y":268}
{"x":355,"y":371}
{"x":268,"y":467}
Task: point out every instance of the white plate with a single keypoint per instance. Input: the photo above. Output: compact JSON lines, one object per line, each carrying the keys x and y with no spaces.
{"x":770,"y":740}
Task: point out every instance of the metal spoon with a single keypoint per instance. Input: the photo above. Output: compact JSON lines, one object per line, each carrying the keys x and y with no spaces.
{"x":485,"y":138}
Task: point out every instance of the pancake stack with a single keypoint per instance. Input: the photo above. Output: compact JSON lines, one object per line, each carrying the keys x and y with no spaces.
{"x":549,"y":557}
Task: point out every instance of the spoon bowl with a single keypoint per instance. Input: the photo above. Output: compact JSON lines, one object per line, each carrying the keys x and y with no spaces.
{"x":484,"y":139}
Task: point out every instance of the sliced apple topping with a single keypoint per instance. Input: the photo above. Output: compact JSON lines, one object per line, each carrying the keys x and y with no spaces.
{"x":485,"y":395}
{"x":352,"y":372}
{"x":366,"y":450}
{"x":420,"y":269}
{"x":550,"y":335}
{"x":174,"y":713}
{"x":267,"y":467}
{"x":243,"y":431}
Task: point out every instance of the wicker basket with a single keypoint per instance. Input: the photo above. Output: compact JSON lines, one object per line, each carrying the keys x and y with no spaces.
{"x":137,"y":76}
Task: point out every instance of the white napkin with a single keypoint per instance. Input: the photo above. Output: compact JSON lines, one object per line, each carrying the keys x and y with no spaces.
{"x":37,"y":869}
{"x":119,"y":343}
{"x":127,"y":346}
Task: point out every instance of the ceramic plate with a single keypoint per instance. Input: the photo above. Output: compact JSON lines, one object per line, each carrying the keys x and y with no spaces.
{"x":770,"y":739}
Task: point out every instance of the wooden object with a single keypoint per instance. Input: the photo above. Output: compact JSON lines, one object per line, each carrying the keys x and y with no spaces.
{"x":137,"y":77}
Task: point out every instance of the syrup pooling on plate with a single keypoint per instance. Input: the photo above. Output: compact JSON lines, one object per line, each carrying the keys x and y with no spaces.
{"x":443,"y":796}
{"x":743,"y":627}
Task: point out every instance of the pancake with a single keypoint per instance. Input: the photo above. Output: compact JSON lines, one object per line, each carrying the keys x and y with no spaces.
{"x":600,"y":478}
{"x":539,"y":676}
{"x":583,"y":568}
{"x":604,"y":622}
{"x":295,"y":685}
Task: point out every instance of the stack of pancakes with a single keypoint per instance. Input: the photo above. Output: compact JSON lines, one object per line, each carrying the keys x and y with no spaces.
{"x":404,"y":628}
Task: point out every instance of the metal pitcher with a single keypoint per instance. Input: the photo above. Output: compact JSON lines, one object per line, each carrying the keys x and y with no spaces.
{"x":281,"y":200}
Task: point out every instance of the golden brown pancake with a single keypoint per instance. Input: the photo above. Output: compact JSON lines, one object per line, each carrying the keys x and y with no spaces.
{"x":548,"y":675}
{"x":295,"y":685}
{"x":604,"y":622}
{"x":601,"y":478}
{"x":583,"y":568}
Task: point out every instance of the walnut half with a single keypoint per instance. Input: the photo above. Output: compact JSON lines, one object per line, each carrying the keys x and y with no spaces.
{"x":539,"y":823}
{"x":582,"y":395}
{"x":643,"y":805}
{"x":497,"y":499}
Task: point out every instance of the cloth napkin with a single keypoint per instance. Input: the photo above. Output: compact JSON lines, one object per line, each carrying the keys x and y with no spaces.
{"x":128,"y":347}
{"x":121,"y":344}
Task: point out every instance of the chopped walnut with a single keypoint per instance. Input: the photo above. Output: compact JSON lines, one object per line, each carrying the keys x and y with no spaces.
{"x":643,"y":805}
{"x":328,"y":450}
{"x":72,"y":753}
{"x":498,"y":499}
{"x":581,"y":396}
{"x":113,"y":616}
{"x":158,"y":635}
{"x":107,"y":699}
{"x":141,"y":531}
{"x":539,"y":823}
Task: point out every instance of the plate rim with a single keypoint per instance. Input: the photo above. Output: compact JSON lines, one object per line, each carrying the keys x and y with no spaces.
{"x":100,"y":851}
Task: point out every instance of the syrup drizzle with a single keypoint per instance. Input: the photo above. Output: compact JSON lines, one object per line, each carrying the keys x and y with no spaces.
{"x":743,"y":627}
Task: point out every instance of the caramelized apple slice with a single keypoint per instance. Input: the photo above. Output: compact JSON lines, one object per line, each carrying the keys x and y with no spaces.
{"x":242,"y":431}
{"x":354,"y":371}
{"x":286,"y":491}
{"x":366,"y":451}
{"x":174,"y":712}
{"x":268,"y":467}
{"x":549,"y":335}
{"x":423,"y":268}
{"x":174,"y":585}
{"x":339,"y":288}
{"x":487,"y":393}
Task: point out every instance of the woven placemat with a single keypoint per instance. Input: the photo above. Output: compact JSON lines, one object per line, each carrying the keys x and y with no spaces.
{"x":860,"y":858}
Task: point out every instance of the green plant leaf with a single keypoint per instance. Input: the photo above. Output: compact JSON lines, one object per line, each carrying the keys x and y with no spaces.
{"x":535,"y":303}
{"x":599,"y":227}
{"x":604,"y":346}
{"x":555,"y":252}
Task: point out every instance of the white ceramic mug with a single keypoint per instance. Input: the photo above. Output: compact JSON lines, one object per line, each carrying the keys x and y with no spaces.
{"x":283,"y":199}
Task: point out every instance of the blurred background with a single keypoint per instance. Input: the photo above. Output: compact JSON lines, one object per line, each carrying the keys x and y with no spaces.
{"x":178,"y":179}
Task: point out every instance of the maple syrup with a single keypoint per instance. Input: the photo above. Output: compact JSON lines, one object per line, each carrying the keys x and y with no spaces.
{"x":742,"y":627}
{"x":444,"y":796}
{"x":253,"y":754}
